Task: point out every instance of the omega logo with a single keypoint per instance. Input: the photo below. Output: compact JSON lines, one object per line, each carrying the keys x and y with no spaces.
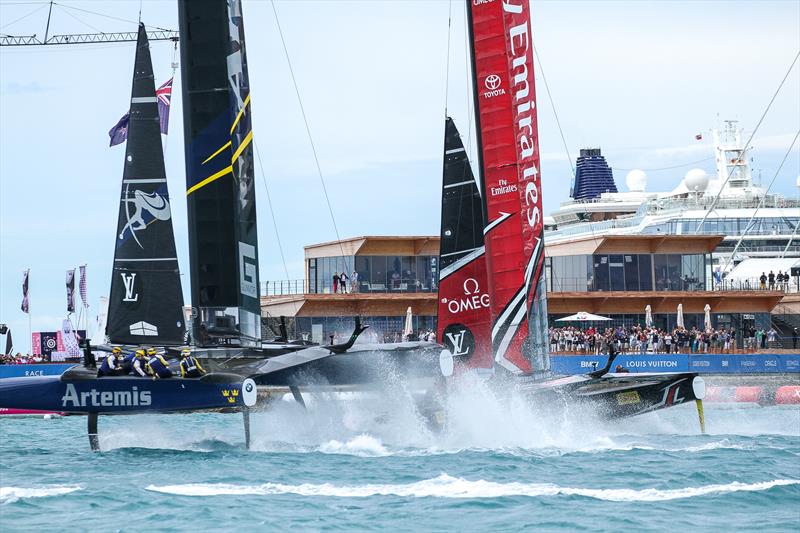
{"x":472,"y":300}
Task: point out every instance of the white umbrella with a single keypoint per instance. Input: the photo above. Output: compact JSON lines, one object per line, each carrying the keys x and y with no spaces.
{"x":582,"y":317}
{"x":707,"y":320}
{"x":648,"y":316}
{"x":680,"y":316}
{"x":408,"y":330}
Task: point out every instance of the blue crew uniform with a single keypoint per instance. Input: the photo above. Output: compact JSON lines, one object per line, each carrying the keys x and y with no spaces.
{"x":127,"y":363}
{"x":159,"y":368}
{"x":190,"y":367}
{"x":112,"y":366}
{"x":139,"y":364}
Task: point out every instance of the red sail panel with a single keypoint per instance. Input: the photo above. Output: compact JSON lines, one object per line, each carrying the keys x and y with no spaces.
{"x":503,"y":59}
{"x":463,"y":323}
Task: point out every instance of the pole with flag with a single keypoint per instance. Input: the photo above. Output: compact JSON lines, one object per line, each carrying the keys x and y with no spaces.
{"x":9,"y":343}
{"x":84,"y":311}
{"x":70,"y":291}
{"x":26,"y":304}
{"x":119,"y":133}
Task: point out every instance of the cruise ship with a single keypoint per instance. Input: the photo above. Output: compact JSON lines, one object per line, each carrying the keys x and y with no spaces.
{"x":760,"y":229}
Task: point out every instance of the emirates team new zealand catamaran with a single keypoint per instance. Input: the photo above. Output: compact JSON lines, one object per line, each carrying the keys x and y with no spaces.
{"x":492,"y":316}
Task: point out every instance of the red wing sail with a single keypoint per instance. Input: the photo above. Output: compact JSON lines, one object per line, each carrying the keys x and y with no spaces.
{"x":464,"y":321}
{"x":502,"y":52}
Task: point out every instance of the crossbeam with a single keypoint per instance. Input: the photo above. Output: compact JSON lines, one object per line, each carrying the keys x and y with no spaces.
{"x":86,"y":38}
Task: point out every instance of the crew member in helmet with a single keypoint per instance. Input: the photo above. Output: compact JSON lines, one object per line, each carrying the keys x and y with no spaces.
{"x":190,"y":367}
{"x":139,"y":364}
{"x":127,"y":362}
{"x":112,"y":365}
{"x":157,"y":365}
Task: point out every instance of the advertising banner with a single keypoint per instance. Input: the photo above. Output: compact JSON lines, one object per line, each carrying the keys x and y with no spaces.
{"x":700,"y":363}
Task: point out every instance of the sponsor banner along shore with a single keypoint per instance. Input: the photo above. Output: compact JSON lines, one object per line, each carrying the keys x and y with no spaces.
{"x":702,"y":364}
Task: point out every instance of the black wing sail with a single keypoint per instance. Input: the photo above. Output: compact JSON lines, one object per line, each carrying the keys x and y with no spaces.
{"x":223,"y":243}
{"x":146,"y":302}
{"x":462,"y":209}
{"x":464,"y":322}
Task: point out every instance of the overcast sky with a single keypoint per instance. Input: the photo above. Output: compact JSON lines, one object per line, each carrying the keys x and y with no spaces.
{"x":638,"y":79}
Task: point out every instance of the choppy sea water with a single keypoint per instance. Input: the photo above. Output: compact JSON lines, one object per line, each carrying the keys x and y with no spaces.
{"x":363,"y":464}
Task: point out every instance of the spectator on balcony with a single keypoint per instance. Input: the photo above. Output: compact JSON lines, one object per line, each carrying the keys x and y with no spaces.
{"x":771,"y":338}
{"x":335,"y":282}
{"x":763,"y":280}
{"x":354,"y":282}
{"x":771,"y":278}
{"x":343,"y":282}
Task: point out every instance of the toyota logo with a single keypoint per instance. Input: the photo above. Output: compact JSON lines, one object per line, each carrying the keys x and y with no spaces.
{"x":492,"y":82}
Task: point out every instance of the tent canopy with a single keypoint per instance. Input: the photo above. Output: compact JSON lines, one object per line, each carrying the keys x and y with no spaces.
{"x":582,"y":316}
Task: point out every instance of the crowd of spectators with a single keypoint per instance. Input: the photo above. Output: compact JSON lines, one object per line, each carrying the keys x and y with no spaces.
{"x":642,"y":340}
{"x":22,"y":359}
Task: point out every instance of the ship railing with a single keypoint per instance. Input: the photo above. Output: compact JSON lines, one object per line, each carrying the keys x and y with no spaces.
{"x":677,"y":284}
{"x":388,"y":286}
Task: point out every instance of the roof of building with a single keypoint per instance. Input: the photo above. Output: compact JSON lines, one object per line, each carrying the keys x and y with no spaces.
{"x":635,"y":244}
{"x":376,"y":245}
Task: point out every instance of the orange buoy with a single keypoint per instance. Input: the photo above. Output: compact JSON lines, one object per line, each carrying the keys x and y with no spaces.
{"x":787,"y":395}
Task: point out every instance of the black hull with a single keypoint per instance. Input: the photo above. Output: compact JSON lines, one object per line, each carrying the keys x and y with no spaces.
{"x":613,"y":398}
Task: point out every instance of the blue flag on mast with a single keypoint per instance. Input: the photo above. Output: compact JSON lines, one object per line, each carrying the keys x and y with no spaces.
{"x":119,"y":133}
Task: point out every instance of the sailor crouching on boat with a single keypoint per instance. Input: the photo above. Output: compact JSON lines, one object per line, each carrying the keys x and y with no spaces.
{"x":139,"y":364}
{"x":157,"y":365}
{"x":112,"y":365}
{"x":190,"y":367}
{"x":127,"y":362}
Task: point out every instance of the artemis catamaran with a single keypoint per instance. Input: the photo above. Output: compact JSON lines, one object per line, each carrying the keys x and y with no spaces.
{"x":493,"y":305}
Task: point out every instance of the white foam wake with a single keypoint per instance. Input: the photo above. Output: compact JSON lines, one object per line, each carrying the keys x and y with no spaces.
{"x":445,"y":486}
{"x":361,"y":445}
{"x":12,"y":494}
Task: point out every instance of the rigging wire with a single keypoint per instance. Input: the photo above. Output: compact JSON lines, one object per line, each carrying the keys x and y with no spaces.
{"x":747,"y":144}
{"x":447,"y":57}
{"x":665,"y":168}
{"x":83,"y":22}
{"x":760,"y":204}
{"x":23,"y":16}
{"x":555,"y":113}
{"x":106,"y":16}
{"x":308,"y":132}
{"x":274,"y":220}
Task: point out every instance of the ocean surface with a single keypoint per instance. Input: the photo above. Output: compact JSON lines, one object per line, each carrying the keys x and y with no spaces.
{"x":367,"y":464}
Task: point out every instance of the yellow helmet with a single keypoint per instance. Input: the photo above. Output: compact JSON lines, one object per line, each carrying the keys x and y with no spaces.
{"x":116,"y":350}
{"x":139,"y":353}
{"x":151,"y":351}
{"x":186,"y":352}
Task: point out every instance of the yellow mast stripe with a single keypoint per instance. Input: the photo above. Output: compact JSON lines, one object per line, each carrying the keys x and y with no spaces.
{"x":242,"y":146}
{"x":241,"y":112}
{"x":223,"y":172}
{"x":215,"y":154}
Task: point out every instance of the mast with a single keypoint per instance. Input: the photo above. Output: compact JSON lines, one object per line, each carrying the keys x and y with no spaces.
{"x":464,"y":321}
{"x":223,"y":240}
{"x":502,"y":57}
{"x":146,"y":300}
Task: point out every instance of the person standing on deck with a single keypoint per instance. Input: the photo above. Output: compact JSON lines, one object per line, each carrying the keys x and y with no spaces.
{"x":343,"y":282}
{"x":335,"y":282}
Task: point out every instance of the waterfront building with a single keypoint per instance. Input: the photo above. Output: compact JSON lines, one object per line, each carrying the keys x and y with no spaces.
{"x":615,"y":276}
{"x":610,"y":253}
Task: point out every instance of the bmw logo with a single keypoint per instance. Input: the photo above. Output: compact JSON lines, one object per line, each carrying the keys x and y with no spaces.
{"x":248,"y":387}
